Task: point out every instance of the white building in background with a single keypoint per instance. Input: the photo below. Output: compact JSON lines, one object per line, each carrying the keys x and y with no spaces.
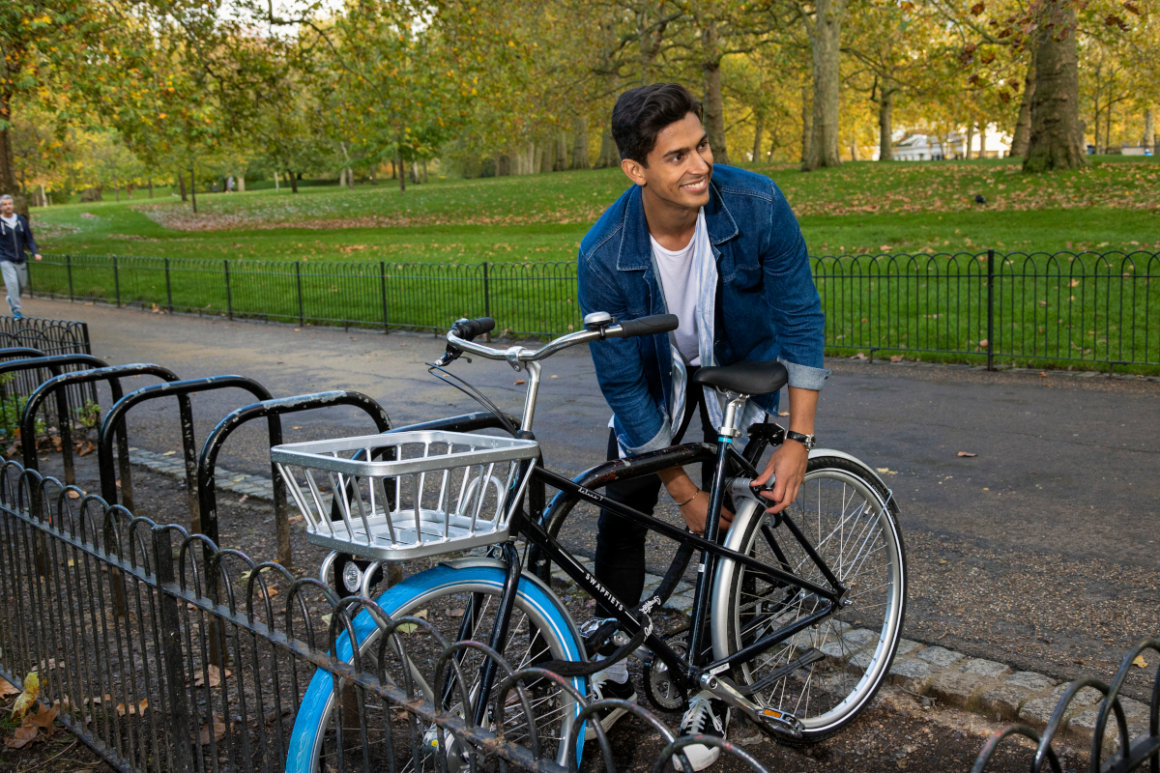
{"x":929,"y":147}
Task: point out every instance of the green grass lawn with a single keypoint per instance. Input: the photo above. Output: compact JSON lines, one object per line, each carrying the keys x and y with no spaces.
{"x":373,"y":255}
{"x":858,"y":208}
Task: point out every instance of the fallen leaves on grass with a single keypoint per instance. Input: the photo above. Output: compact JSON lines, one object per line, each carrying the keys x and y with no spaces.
{"x":896,"y":358}
{"x":965,"y":453}
{"x":859,"y":356}
{"x":212,"y":676}
{"x":216,"y":731}
{"x":132,"y":709}
{"x":28,"y":697}
{"x":7,"y":689}
{"x":35,"y":726}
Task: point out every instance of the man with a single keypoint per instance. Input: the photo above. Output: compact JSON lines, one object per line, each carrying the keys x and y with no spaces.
{"x":15,"y":238}
{"x":721,"y":249}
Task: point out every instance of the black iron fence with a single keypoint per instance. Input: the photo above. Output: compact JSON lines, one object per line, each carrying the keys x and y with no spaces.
{"x":1125,"y":734}
{"x":1097,"y":310}
{"x":46,"y":337}
{"x":163,"y":653}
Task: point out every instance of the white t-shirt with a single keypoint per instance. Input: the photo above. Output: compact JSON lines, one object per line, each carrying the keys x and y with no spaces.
{"x":680,"y":288}
{"x":9,"y":219}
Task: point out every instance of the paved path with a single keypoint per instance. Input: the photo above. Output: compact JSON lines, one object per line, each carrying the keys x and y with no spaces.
{"x":1041,"y":551}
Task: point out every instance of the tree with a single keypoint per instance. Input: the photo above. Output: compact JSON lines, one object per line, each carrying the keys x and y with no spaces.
{"x":1055,"y":141}
{"x":823,"y":24}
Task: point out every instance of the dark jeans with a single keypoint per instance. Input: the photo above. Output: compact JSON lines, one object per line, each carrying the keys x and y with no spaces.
{"x":619,"y":542}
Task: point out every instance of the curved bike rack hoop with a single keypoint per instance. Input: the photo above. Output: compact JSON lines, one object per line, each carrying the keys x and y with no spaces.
{"x":271,"y":410}
{"x":53,"y":364}
{"x":113,"y":374}
{"x":115,"y":419}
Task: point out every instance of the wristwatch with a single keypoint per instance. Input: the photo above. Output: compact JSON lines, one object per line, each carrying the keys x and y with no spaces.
{"x":809,"y":441}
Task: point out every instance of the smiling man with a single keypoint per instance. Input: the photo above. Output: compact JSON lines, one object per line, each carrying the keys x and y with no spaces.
{"x":721,"y":249}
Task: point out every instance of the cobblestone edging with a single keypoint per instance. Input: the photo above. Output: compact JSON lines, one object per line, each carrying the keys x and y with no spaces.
{"x":985,"y":687}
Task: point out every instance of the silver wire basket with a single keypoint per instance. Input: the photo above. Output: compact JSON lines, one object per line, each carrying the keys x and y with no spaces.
{"x":407,"y":494}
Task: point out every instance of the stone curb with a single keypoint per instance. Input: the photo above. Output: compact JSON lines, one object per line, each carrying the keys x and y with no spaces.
{"x":929,"y":672}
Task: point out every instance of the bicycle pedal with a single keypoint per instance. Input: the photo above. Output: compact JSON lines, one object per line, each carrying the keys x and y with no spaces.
{"x":773,"y":720}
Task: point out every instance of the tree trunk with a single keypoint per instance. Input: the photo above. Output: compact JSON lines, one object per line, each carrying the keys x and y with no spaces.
{"x":807,"y":125}
{"x":1108,"y":126}
{"x":580,"y":143}
{"x":970,"y":140}
{"x":193,"y":188}
{"x":758,"y":130}
{"x":241,"y":183}
{"x":886,"y":126}
{"x":1149,"y":130}
{"x":854,"y":147}
{"x":181,"y":185}
{"x":402,"y":175}
{"x":772,"y":146}
{"x":714,"y":103}
{"x":424,"y":172}
{"x":1054,"y":142}
{"x":538,"y":155}
{"x":293,"y":182}
{"x":1023,"y":123}
{"x":607,"y":151}
{"x":43,"y":196}
{"x":561,"y":162}
{"x":982,"y":139}
{"x":277,"y":181}
{"x":825,"y":40}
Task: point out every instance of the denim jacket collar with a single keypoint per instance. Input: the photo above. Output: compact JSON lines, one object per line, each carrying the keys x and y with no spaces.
{"x":635,"y":248}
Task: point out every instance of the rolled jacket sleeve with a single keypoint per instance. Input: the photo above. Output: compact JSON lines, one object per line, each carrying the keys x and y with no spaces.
{"x":793,"y":299}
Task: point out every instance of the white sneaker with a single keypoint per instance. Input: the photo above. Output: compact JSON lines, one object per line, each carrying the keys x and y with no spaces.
{"x":603,"y":687}
{"x":705,"y":716}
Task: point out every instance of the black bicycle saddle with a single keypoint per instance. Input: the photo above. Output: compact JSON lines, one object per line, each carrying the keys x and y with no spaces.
{"x":746,"y":378}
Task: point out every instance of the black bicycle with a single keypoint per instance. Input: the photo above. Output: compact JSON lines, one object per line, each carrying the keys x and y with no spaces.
{"x":795,"y":619}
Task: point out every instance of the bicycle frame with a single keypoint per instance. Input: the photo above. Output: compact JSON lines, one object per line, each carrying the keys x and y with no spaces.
{"x":689,"y":672}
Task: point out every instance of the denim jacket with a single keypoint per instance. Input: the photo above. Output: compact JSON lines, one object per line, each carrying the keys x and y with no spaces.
{"x":767,"y":305}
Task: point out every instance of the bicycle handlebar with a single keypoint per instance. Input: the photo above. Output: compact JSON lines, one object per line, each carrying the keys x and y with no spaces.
{"x":459,"y":338}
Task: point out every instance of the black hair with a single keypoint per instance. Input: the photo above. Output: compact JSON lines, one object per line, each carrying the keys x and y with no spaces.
{"x":641,"y":113}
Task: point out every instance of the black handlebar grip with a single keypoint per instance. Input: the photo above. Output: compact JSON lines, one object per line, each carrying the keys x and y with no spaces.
{"x":657,"y":323}
{"x":468,"y":329}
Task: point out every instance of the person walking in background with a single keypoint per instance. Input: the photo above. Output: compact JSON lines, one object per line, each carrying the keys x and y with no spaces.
{"x":15,"y":238}
{"x":230,"y":184}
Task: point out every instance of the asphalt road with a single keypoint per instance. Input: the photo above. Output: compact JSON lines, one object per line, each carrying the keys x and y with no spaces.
{"x":1042,"y":551}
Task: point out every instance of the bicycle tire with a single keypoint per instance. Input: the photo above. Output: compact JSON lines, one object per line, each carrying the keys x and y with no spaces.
{"x":311,"y":734}
{"x":858,"y":642}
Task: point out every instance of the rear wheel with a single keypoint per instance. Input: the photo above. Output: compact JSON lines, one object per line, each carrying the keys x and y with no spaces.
{"x":827,"y":673}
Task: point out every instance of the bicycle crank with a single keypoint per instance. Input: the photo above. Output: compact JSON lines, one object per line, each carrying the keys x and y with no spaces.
{"x":773,"y":720}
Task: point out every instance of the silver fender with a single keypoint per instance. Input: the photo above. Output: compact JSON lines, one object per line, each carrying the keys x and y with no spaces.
{"x":748,"y":507}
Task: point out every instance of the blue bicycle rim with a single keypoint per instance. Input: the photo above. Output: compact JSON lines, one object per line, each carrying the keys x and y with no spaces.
{"x":309,"y":720}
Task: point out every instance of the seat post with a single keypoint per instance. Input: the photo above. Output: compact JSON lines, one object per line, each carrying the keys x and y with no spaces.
{"x":732,"y":410}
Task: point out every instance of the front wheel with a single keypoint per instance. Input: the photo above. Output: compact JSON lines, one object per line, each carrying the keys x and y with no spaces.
{"x":827,"y":673}
{"x":446,"y":596}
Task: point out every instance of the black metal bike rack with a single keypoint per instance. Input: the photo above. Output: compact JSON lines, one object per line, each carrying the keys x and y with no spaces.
{"x":54,"y":365}
{"x":115,"y":419}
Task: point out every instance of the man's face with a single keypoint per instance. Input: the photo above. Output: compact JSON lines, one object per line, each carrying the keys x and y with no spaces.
{"x":679,"y":167}
{"x":6,"y":207}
